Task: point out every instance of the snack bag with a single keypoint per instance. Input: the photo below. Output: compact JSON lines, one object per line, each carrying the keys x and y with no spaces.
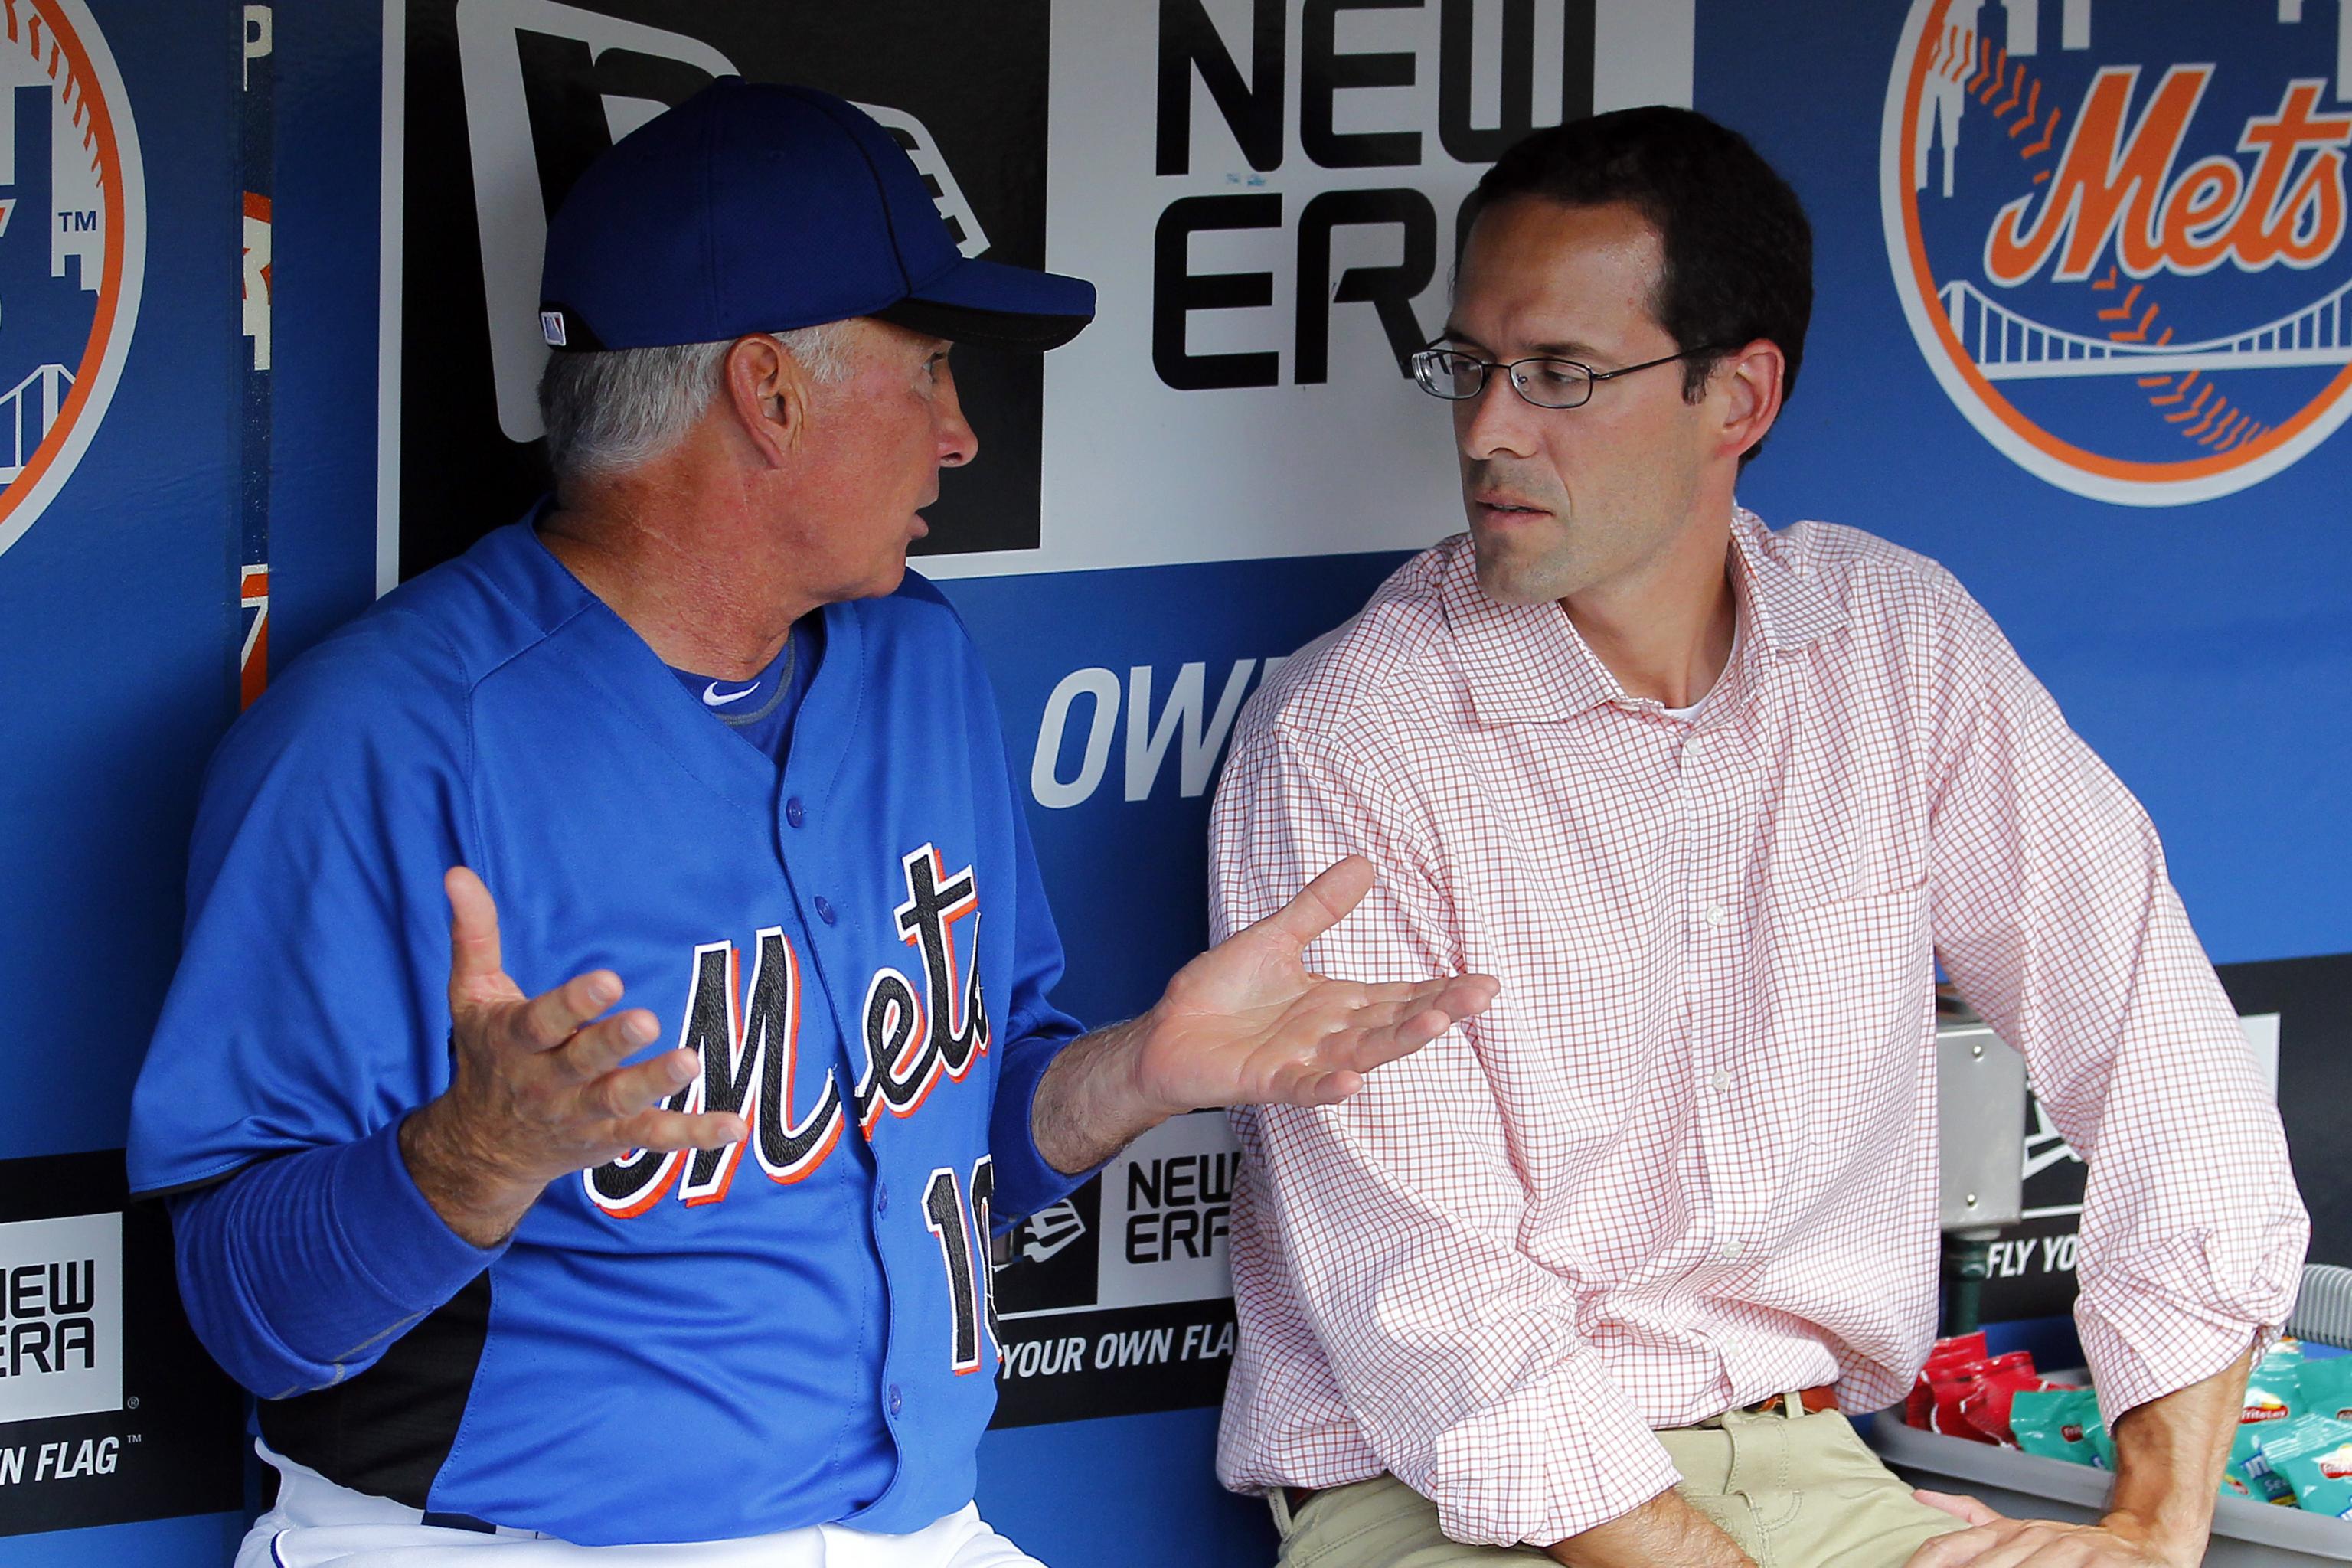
{"x":2062,"y":1424}
{"x":2102,"y":1441}
{"x":1985,"y":1408}
{"x":2263,"y":1484}
{"x":1947,"y":1391}
{"x":1946,"y":1357}
{"x":2314,"y":1454}
{"x":2326,"y":1387}
{"x":2275,"y":1391}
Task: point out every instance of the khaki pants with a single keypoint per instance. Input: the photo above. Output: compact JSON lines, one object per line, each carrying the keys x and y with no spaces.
{"x":1794,"y":1491}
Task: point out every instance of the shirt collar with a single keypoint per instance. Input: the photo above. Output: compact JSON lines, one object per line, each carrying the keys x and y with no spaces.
{"x":1527,"y":664}
{"x":1787,"y":607}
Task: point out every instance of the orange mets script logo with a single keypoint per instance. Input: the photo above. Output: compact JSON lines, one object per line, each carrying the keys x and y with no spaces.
{"x":2118,"y":231}
{"x":72,"y":246}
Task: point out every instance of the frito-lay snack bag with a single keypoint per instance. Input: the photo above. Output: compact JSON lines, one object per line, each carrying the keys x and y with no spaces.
{"x":2062,"y":1424}
{"x":1944,"y":1359}
{"x":2263,"y":1484}
{"x":1985,"y":1407}
{"x":2325,"y":1387}
{"x":2314,"y":1455}
{"x":2274,"y":1392}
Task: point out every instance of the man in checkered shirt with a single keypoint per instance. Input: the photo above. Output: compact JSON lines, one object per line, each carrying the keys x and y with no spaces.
{"x":1574,"y":1281}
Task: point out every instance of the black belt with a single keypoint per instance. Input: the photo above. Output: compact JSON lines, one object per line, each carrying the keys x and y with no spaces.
{"x":459,"y":1521}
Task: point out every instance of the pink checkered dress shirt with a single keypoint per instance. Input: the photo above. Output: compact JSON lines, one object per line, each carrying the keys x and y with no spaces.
{"x":1688,"y":1158}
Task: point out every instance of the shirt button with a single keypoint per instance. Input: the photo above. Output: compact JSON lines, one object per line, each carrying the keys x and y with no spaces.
{"x":793,"y":813}
{"x":1731,"y":1248}
{"x":896,"y":1404}
{"x":882,"y":1198}
{"x":1717,"y":914}
{"x":1721,"y":1080}
{"x":825,"y":909}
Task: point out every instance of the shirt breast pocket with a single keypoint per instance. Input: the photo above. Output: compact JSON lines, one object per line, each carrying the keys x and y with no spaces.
{"x":1851,"y":978}
{"x":1822,"y":845}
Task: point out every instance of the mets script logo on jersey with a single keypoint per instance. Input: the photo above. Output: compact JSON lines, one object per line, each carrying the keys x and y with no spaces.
{"x":2118,"y":231}
{"x":749,"y":1036}
{"x":72,"y":246}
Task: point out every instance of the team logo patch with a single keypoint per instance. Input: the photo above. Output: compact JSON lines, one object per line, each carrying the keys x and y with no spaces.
{"x":72,"y":246}
{"x":2117,"y":233}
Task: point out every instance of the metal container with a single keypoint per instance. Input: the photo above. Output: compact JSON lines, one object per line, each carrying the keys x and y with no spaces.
{"x":1980,"y":1122}
{"x":2027,"y":1486}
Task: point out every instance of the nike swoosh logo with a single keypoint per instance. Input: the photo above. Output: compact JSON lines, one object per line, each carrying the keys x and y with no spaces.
{"x":714,"y":697}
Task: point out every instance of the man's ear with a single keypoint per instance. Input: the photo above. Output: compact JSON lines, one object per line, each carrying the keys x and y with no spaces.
{"x":770,"y":393}
{"x":1748,"y":383}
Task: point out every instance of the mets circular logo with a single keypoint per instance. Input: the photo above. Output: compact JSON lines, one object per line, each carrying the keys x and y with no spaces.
{"x":73,"y":247}
{"x":2116,"y":227}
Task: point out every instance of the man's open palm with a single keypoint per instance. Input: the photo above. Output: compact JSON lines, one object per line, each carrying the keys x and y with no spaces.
{"x":1247,"y":1022}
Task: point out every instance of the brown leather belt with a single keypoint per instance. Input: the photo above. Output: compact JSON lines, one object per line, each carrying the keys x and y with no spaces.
{"x":1805,"y":1402}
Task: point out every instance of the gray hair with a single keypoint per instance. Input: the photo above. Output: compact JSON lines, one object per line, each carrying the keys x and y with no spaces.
{"x":608,"y":412}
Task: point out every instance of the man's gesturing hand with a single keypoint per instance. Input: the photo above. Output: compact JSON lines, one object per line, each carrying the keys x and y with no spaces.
{"x":537,"y":1090}
{"x":1246,"y":1022}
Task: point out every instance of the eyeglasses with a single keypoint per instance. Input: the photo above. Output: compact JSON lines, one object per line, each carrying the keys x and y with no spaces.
{"x":1545,"y":382}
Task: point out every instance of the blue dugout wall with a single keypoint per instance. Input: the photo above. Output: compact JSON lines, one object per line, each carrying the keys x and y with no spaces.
{"x":251,"y":263}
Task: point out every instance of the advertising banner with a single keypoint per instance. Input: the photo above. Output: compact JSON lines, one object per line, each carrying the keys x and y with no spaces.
{"x":1119,"y":1298}
{"x":1266,"y":195}
{"x":109,"y":1411}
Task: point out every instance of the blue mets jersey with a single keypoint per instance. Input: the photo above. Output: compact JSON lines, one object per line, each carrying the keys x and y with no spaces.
{"x":793,"y":1329}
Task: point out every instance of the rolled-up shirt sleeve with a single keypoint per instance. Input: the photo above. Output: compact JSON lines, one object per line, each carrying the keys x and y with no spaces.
{"x":2055,"y":917}
{"x":1397,"y":1213}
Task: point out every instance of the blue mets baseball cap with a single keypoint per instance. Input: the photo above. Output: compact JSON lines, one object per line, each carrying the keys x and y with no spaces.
{"x":756,"y":207}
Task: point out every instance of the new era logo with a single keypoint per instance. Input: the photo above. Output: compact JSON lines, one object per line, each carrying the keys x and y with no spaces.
{"x":551,"y":327}
{"x":60,"y":1317}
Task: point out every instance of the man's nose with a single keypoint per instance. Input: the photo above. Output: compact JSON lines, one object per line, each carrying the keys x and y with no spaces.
{"x":1498,"y":423}
{"x":958,"y":443}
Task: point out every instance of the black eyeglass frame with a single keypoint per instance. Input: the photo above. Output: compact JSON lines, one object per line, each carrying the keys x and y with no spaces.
{"x":1424,"y":363}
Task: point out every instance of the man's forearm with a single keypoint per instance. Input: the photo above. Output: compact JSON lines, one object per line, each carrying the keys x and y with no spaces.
{"x":1089,"y":1106}
{"x":466,"y":1187}
{"x":1663,"y":1533}
{"x":2169,"y":1457}
{"x":299,"y":1271}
